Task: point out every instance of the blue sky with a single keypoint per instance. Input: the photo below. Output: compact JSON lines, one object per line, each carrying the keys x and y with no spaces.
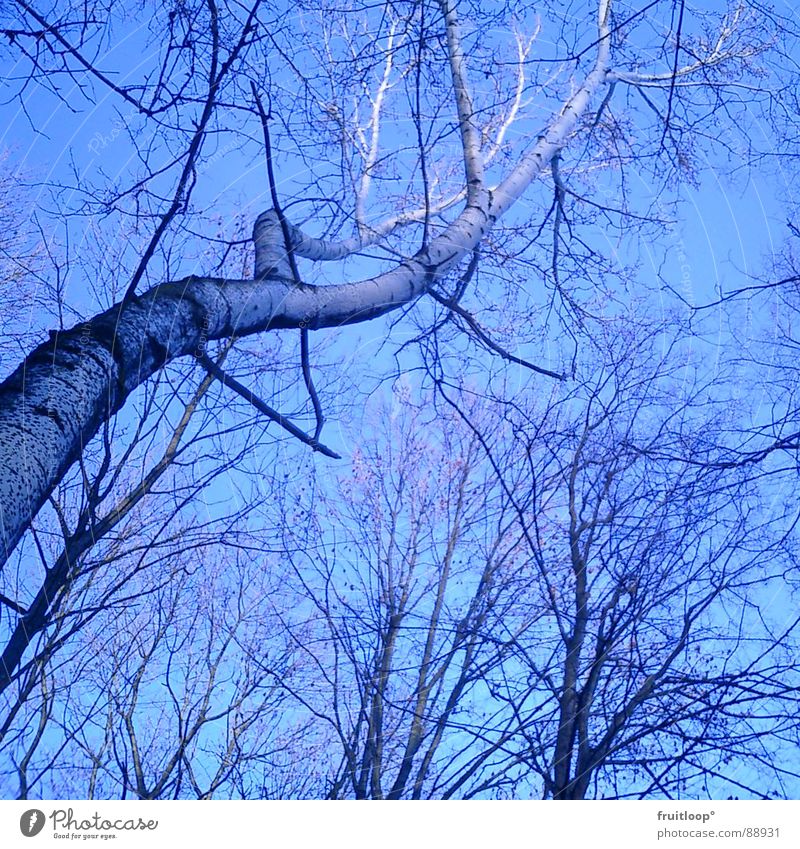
{"x":727,"y":231}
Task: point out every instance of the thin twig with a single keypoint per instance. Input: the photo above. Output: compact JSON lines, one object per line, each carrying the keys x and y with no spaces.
{"x":559,"y":210}
{"x":674,"y":74}
{"x":226,"y":380}
{"x":490,"y":343}
{"x":18,"y":608}
{"x":186,"y":179}
{"x":287,"y":239}
{"x":759,"y":287}
{"x":276,"y":205}
{"x":312,"y":391}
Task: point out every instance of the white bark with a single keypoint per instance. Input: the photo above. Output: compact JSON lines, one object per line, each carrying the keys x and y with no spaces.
{"x":371,"y":150}
{"x":58,"y":398}
{"x":470,"y":134}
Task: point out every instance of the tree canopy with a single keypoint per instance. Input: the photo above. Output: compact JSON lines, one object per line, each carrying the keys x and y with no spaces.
{"x":398,"y":400}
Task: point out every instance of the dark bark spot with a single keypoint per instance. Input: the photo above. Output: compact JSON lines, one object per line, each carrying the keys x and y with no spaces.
{"x":51,"y":414}
{"x":158,"y":351}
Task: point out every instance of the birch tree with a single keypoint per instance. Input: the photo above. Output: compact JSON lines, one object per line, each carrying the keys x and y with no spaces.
{"x":480,"y":187}
{"x":54,"y":403}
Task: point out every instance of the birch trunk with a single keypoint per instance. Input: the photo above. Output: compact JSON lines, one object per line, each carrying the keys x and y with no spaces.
{"x":59,"y":397}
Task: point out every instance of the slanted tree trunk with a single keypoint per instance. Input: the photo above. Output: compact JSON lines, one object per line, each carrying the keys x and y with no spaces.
{"x":58,"y":398}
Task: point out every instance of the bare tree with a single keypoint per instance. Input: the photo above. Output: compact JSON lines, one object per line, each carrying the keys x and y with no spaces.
{"x":56,"y":401}
{"x":576,"y":599}
{"x":168,"y":704}
{"x":479,"y":175}
{"x":411,"y":591}
{"x":669,"y":663}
